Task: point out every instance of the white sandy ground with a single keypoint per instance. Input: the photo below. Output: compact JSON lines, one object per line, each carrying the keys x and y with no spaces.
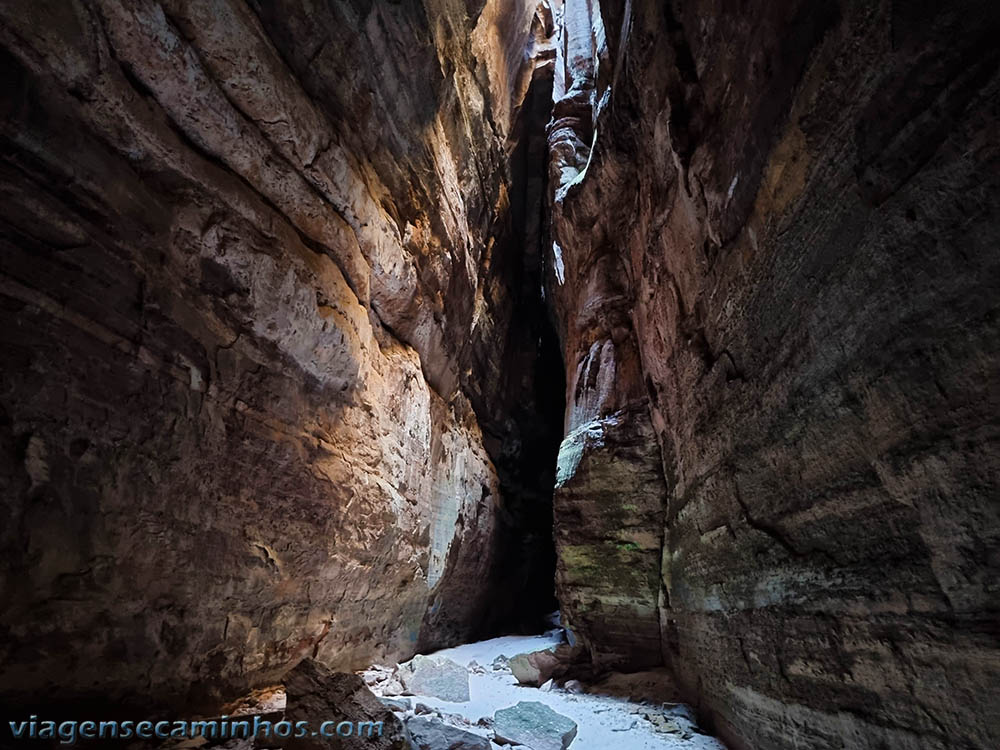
{"x":604,"y":723}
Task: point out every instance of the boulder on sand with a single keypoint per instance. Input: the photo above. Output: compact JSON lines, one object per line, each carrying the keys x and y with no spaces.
{"x":436,"y":678}
{"x":431,"y":734}
{"x":534,"y":668}
{"x":534,"y":724}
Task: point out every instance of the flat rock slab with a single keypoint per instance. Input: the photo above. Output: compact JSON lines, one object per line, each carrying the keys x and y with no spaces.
{"x":435,"y":677}
{"x":534,"y":724}
{"x":430,"y":734}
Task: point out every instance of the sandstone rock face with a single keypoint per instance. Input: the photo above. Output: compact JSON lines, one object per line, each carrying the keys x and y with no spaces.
{"x":610,"y":493}
{"x":788,"y":212}
{"x":609,"y":532}
{"x":278,"y":378}
{"x":256,"y":302}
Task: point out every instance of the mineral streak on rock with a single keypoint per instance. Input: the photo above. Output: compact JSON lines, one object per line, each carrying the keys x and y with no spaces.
{"x":261,"y":340}
{"x":299,"y":298}
{"x":609,"y":517}
{"x":786,"y":212}
{"x":610,"y":491}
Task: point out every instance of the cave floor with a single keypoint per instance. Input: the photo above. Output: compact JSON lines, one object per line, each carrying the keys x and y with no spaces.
{"x":603,"y":721}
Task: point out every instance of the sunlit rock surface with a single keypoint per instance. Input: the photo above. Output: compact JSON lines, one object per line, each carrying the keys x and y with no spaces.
{"x":279,"y":379}
{"x":258,"y":352}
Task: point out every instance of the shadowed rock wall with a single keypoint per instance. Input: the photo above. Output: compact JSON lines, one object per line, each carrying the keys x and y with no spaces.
{"x":276,"y":381}
{"x":255,"y":310}
{"x":609,"y":497}
{"x":789,"y":212}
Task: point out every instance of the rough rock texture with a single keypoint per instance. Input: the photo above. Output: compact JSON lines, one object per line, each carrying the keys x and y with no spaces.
{"x":316,"y":694}
{"x":397,"y":705}
{"x":796,"y":203}
{"x":654,"y":686}
{"x":277,"y":380}
{"x":534,"y":668}
{"x":534,"y":724}
{"x":436,"y":678}
{"x":258,"y":283}
{"x":432,"y":734}
{"x":610,"y":493}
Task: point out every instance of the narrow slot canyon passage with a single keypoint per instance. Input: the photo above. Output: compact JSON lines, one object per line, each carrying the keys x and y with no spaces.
{"x":500,"y":374}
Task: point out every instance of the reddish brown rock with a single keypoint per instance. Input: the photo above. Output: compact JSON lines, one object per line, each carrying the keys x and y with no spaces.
{"x":609,"y":532}
{"x":610,"y":492}
{"x":278,"y":381}
{"x":796,"y":204}
{"x":535,"y":668}
{"x":252,"y":333}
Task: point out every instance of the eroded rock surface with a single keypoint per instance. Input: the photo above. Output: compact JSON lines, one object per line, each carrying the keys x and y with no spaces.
{"x":259,"y":339}
{"x":316,"y":695}
{"x":787,"y":212}
{"x":609,"y":531}
{"x":279,"y":382}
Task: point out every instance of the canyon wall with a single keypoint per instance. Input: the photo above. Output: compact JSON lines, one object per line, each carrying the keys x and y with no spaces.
{"x":278,"y":378}
{"x":775,"y":273}
{"x":610,"y":494}
{"x":259,"y":278}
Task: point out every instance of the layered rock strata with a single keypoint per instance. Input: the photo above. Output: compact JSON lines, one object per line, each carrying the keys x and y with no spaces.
{"x":257,"y":300}
{"x":610,"y":493}
{"x":796,"y":205}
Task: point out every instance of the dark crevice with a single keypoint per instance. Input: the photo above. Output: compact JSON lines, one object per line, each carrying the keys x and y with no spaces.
{"x":525,"y":442}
